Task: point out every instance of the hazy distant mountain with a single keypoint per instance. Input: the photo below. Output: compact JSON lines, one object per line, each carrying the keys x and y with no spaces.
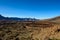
{"x":17,"y":19}
{"x":1,"y":17}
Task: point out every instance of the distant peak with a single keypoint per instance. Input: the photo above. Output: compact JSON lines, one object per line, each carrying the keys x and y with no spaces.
{"x":1,"y":15}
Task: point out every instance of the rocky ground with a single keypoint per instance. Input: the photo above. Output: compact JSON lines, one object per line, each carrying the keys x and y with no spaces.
{"x":29,"y":30}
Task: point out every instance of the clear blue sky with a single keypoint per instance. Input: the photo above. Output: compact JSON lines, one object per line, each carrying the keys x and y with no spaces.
{"x":40,"y":9}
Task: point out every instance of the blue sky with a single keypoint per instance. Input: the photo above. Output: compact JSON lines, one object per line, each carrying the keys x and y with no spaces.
{"x":40,"y":9}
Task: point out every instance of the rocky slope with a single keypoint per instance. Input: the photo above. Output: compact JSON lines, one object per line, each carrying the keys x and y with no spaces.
{"x":29,"y":30}
{"x":55,"y":19}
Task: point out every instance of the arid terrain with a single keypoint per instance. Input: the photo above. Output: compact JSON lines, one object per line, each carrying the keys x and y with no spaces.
{"x":30,"y":30}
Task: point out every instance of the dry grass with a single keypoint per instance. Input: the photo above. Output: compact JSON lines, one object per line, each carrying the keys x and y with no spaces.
{"x":29,"y":30}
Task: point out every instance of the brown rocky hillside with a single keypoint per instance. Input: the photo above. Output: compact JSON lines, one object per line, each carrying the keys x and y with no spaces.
{"x":29,"y":30}
{"x":56,"y":19}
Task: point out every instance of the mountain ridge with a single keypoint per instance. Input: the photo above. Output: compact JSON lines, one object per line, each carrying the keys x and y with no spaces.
{"x":17,"y":19}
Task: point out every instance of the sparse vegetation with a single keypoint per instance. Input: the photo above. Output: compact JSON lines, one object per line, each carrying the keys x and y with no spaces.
{"x":58,"y":30}
{"x":40,"y":30}
{"x":54,"y":39}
